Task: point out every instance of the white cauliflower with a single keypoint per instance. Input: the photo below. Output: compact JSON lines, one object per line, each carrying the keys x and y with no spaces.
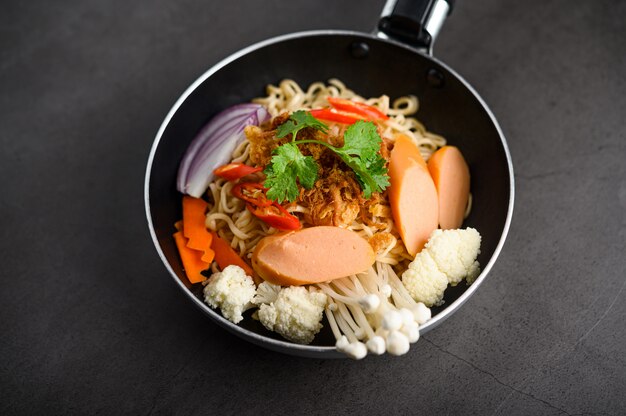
{"x":266,"y":293}
{"x":231,"y":291}
{"x":295,"y":313}
{"x":448,"y":257}
{"x":424,"y":281}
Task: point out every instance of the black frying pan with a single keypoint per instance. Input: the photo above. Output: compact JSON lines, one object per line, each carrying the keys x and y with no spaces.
{"x":371,"y":66}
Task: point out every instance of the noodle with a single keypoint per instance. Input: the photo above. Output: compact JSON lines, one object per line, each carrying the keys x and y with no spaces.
{"x":233,"y":222}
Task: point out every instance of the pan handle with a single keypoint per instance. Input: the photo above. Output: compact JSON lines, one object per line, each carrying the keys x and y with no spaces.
{"x":413,"y":22}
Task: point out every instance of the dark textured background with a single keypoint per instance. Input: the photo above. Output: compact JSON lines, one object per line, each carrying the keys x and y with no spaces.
{"x":91,"y":323}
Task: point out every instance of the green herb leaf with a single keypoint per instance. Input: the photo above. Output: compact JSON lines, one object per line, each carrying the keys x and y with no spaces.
{"x":376,"y":178}
{"x":287,"y":167}
{"x":361,"y":152}
{"x":361,"y":139}
{"x":298,"y":121}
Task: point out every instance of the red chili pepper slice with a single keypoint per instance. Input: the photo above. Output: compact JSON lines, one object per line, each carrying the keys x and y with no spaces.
{"x":234,"y":171}
{"x":251,"y":192}
{"x":332,"y":114}
{"x":275,"y":216}
{"x":367,"y":111}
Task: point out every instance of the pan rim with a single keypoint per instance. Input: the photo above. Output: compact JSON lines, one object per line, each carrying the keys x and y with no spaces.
{"x":286,"y":346}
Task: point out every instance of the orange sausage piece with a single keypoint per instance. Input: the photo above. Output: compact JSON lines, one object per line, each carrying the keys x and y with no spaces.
{"x":452,"y":180}
{"x":311,"y":255}
{"x":412,"y":195}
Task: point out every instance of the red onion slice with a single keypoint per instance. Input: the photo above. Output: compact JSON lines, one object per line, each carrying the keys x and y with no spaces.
{"x":213,"y":146}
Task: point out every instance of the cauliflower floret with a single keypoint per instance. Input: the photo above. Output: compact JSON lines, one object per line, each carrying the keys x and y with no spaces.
{"x":296,"y":313}
{"x":424,"y":281}
{"x":455,"y":253}
{"x":448,"y":257}
{"x":266,"y":293}
{"x":231,"y":291}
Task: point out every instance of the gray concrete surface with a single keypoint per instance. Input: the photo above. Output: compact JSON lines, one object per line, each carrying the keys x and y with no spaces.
{"x":92,"y":324}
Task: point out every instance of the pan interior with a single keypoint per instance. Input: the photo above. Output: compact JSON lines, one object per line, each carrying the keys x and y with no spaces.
{"x":448,"y":108}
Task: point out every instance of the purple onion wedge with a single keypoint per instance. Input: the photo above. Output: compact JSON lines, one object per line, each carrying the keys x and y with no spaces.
{"x":214,"y":144}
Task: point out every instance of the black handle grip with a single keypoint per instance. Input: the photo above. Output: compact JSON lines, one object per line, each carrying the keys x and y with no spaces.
{"x":407,"y":21}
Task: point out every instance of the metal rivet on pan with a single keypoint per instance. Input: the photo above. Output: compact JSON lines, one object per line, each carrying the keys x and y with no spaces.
{"x":435,"y":78}
{"x":359,"y":50}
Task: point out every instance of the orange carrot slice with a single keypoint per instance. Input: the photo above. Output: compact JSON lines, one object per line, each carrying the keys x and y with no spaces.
{"x":226,"y":256}
{"x":208,"y":255}
{"x":194,"y":227}
{"x":451,"y":176}
{"x":412,"y":195}
{"x":191,"y":259}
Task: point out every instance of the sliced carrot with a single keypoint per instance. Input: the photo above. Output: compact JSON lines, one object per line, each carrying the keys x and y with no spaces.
{"x":226,"y":256}
{"x":194,"y":227}
{"x":208,"y":256}
{"x":412,"y":195}
{"x":451,"y":176}
{"x":191,"y":259}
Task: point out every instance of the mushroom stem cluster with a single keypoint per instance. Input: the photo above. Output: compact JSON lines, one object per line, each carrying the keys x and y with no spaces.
{"x":373,"y":312}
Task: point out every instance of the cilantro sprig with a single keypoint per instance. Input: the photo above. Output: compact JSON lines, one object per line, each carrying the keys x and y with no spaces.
{"x":298,"y":121}
{"x":360,"y":151}
{"x":289,"y":166}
